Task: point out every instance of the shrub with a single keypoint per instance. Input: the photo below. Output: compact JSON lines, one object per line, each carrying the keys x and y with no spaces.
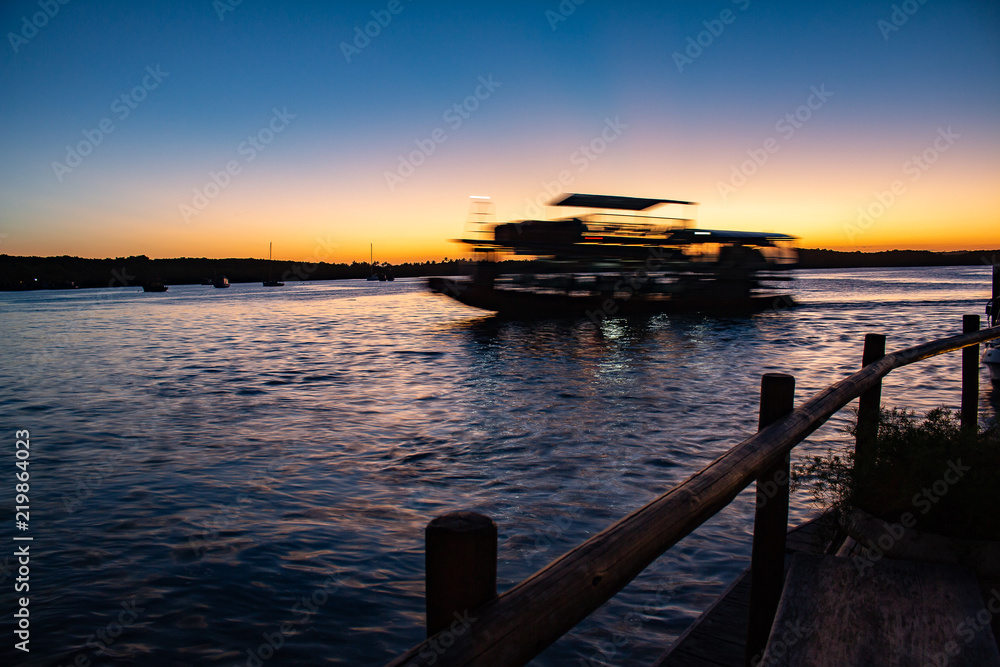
{"x":943,"y":475}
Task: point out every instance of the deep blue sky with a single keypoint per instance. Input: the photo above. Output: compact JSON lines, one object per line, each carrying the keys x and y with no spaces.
{"x":324,"y":175}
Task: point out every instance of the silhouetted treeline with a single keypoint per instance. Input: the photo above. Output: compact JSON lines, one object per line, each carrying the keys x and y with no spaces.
{"x":65,"y":271}
{"x":835,"y":259}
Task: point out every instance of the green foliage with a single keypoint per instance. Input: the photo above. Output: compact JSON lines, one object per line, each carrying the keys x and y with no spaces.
{"x":943,"y":475}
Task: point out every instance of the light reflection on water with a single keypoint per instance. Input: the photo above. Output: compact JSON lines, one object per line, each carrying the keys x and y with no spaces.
{"x":235,"y":460}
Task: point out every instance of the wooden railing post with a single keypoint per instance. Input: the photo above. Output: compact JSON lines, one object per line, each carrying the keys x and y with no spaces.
{"x":461,"y":566}
{"x":970,"y":377}
{"x":869,"y":405}
{"x":767,"y":562}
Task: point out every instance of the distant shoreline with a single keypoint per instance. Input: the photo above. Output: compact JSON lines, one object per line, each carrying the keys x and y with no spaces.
{"x":839,"y":259}
{"x":65,"y":272}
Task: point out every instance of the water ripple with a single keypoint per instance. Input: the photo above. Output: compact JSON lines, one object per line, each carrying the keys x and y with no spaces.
{"x":254,"y":469}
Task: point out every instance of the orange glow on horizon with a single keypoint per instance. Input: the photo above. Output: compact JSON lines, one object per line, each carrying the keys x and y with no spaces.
{"x":821,"y":194}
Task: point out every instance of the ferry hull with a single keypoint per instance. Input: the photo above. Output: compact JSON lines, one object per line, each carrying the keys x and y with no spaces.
{"x":523,"y":303}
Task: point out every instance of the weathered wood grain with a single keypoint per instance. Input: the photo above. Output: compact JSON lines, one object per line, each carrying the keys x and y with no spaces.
{"x":833,"y":613}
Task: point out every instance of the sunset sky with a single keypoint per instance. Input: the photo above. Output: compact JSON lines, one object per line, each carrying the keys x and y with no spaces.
{"x":209,"y":129}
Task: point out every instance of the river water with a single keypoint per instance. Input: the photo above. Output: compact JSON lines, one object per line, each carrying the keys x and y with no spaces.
{"x":243,"y":476}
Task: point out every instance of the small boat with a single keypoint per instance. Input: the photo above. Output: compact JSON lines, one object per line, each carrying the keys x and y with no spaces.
{"x":371,"y":263}
{"x":269,"y":282}
{"x":620,"y":262}
{"x":991,"y":357}
{"x":221,"y":282}
{"x":154,"y":287}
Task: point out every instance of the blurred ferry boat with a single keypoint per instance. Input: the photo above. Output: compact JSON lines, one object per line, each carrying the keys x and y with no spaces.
{"x":620,"y":260}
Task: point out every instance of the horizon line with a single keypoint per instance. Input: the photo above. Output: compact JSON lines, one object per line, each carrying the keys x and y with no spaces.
{"x":259,"y":259}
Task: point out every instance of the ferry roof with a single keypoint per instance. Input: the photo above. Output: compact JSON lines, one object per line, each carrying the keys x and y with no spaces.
{"x":725,"y":236}
{"x":614,"y":202}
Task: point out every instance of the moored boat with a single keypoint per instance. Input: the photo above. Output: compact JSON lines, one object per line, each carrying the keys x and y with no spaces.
{"x":371,"y":263}
{"x":991,"y":355}
{"x":270,"y":282}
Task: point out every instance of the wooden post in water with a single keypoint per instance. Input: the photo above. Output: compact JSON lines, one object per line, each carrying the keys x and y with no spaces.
{"x":461,"y":567}
{"x":767,"y":564}
{"x":869,"y":405}
{"x":970,"y":375}
{"x":993,"y":314}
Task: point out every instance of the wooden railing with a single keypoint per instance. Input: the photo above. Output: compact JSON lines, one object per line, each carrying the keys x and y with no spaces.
{"x":469,"y":625}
